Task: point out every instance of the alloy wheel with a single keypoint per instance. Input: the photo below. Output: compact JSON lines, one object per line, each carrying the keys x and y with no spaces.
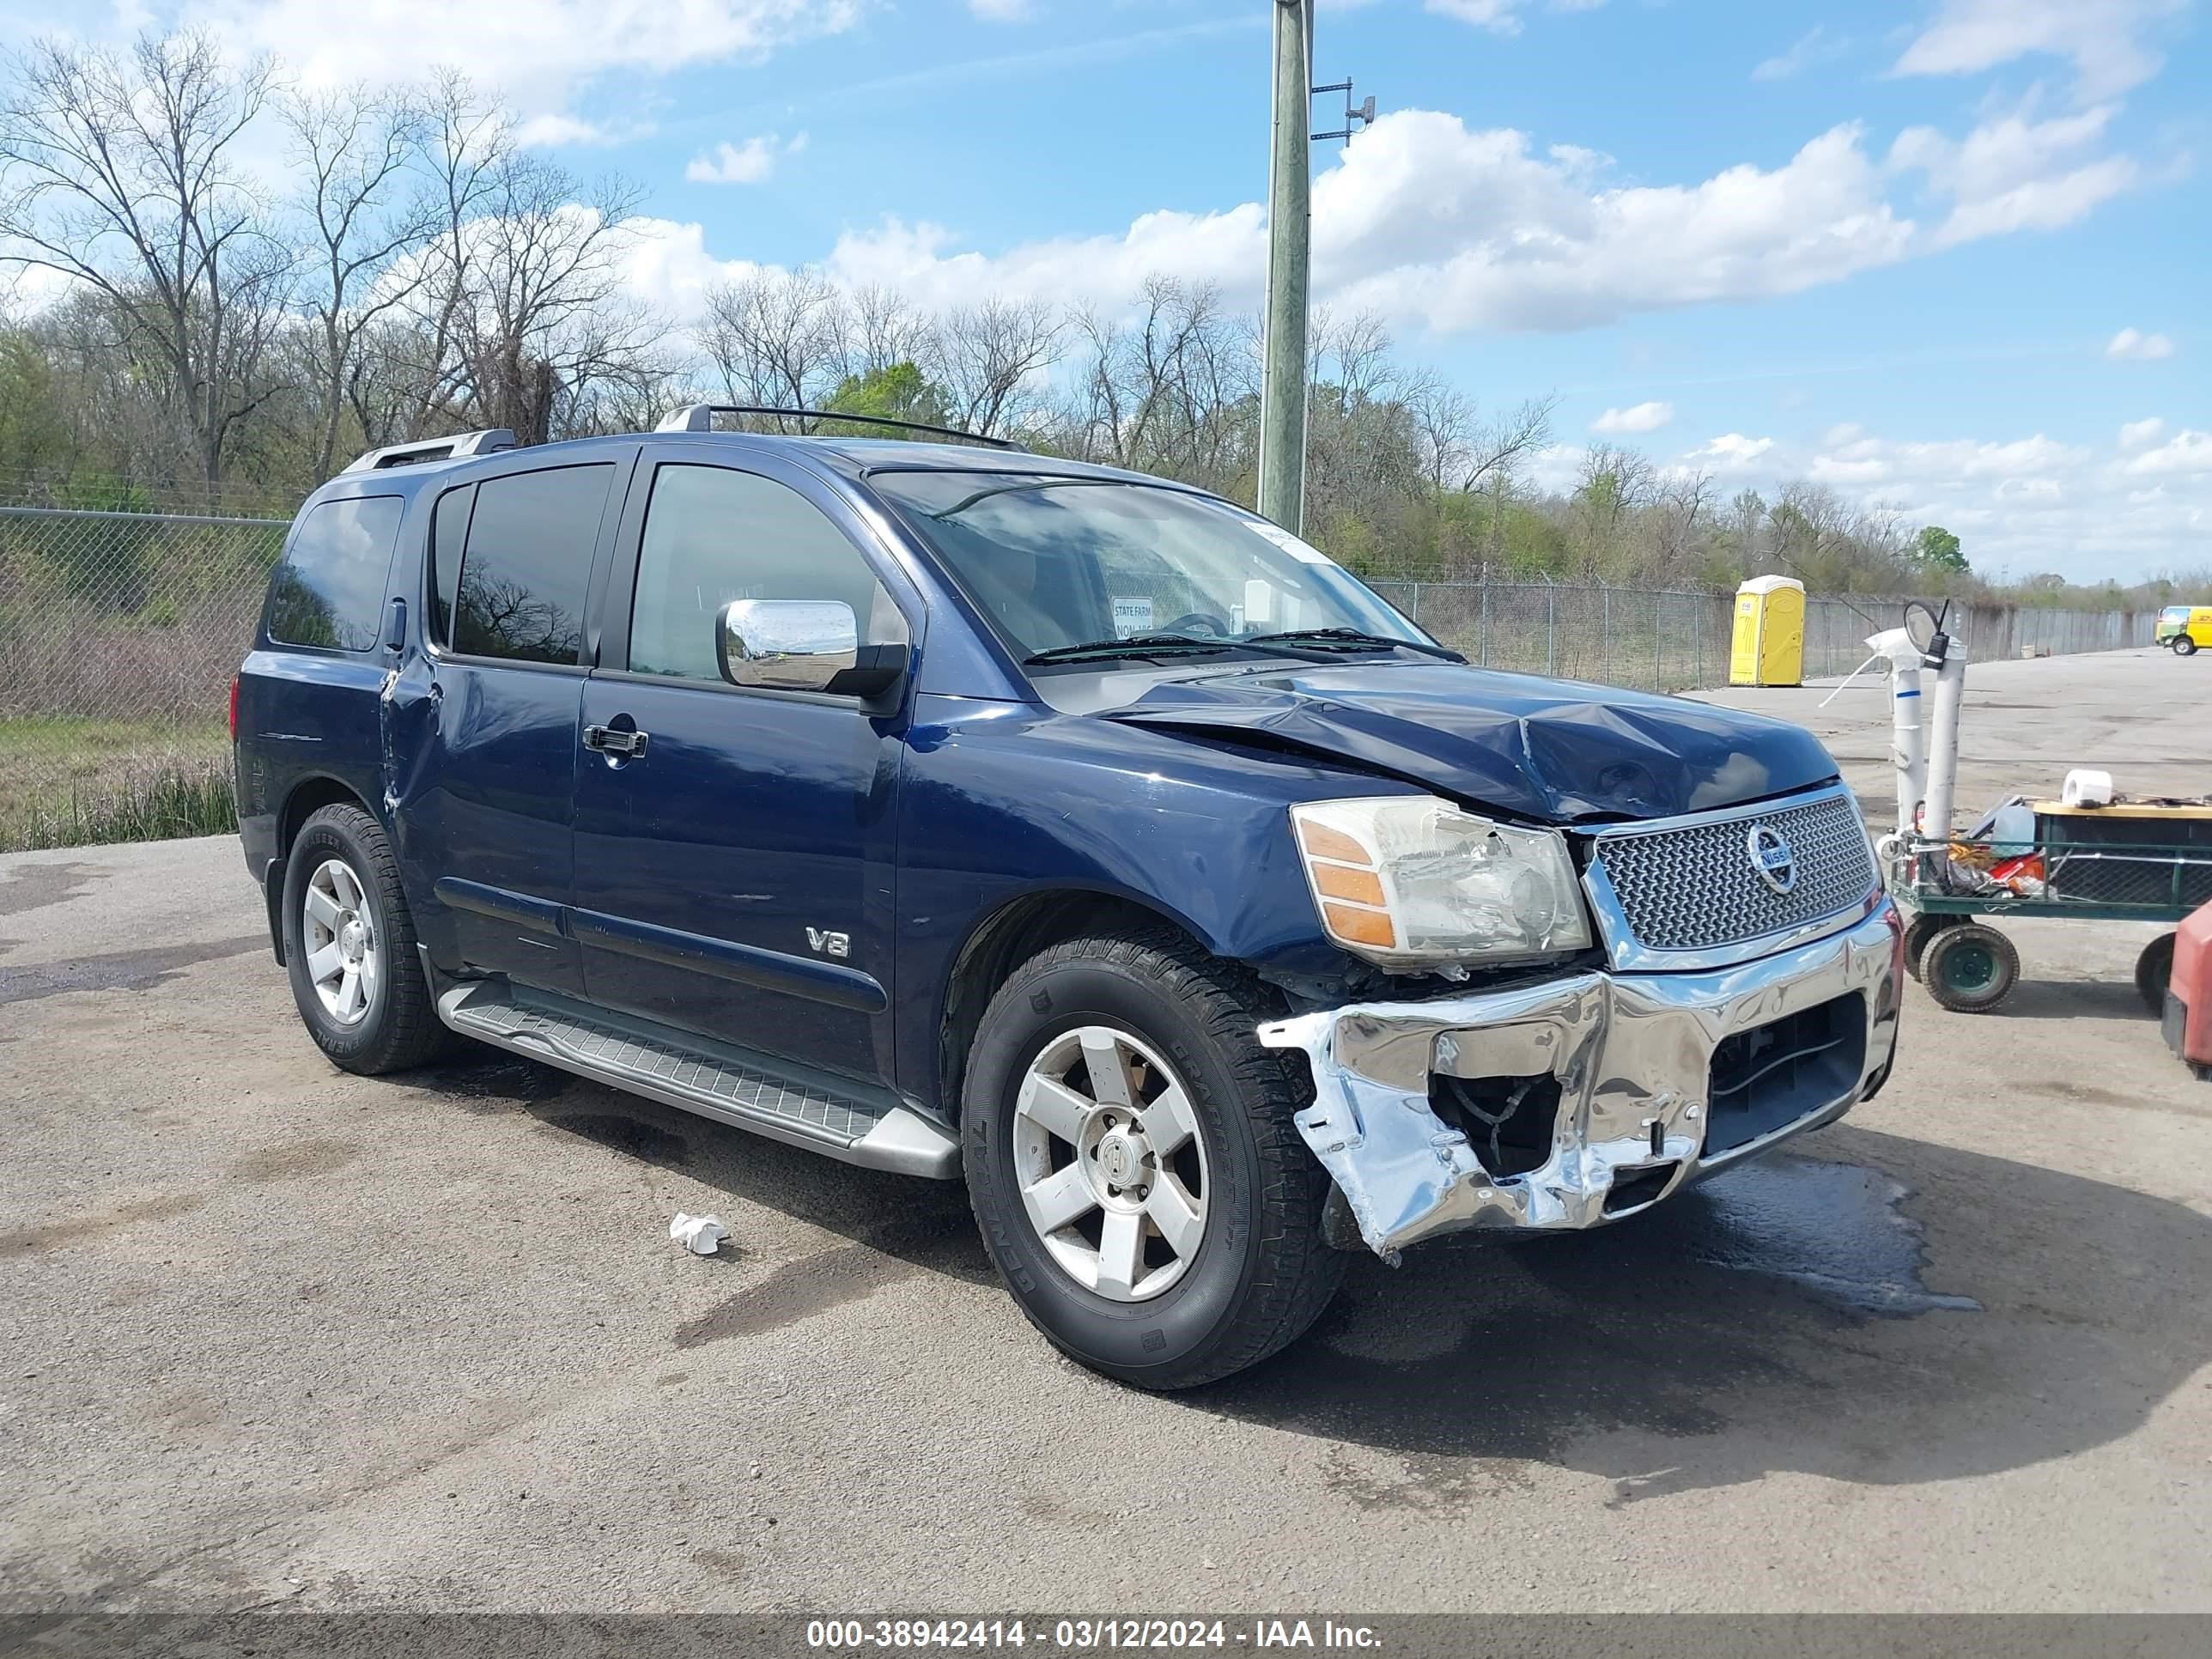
{"x":1110,"y":1164}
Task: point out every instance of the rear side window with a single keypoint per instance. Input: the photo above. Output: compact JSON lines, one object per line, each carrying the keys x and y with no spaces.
{"x":449,"y":533}
{"x":713,"y":535}
{"x":526,"y":564}
{"x":328,"y":591}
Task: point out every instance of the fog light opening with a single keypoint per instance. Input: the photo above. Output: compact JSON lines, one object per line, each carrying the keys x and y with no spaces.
{"x":1510,"y":1121}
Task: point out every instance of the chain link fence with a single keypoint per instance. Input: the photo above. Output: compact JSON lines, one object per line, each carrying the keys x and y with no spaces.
{"x":120,"y":633}
{"x":1675,"y":640}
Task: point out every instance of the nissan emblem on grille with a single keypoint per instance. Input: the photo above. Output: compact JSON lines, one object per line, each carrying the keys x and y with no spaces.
{"x":1770,"y":857}
{"x":1703,"y":884}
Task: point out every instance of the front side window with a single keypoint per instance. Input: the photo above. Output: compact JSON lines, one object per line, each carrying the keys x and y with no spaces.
{"x":328,"y":591}
{"x":713,"y":535}
{"x":526,"y":564}
{"x":1057,"y":562}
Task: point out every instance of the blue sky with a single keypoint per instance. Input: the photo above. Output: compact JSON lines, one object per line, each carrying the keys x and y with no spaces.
{"x":1946,"y":255}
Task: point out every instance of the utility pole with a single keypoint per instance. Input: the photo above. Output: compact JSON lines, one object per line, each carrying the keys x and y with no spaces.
{"x":1289,"y":223}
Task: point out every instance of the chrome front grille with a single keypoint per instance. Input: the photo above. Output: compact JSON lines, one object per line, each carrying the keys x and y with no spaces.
{"x":1693,"y":886}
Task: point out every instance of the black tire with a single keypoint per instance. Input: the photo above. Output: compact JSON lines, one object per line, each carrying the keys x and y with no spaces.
{"x":1262,"y":1273}
{"x":398,"y":1028}
{"x":1969,"y":969}
{"x":1917,"y":933}
{"x":2185,"y":647}
{"x":2153,"y":968}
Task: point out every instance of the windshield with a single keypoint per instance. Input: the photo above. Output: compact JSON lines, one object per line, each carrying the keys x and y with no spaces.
{"x":2174,"y":613}
{"x":1057,"y":562}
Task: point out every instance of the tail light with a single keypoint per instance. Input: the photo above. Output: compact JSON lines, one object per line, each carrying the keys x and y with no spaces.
{"x":233,"y":708}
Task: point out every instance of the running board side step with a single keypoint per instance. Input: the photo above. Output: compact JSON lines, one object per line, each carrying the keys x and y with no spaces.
{"x":846,"y":1120}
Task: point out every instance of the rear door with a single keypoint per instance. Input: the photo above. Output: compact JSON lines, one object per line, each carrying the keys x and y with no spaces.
{"x":484,"y":756}
{"x":735,"y":879}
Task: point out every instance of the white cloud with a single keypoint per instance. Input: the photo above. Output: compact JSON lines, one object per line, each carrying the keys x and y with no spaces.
{"x":2135,"y":434}
{"x":1498,"y":15}
{"x":1816,"y":45}
{"x":2187,"y":450}
{"x":1433,"y":223}
{"x":2133,"y":346}
{"x":2013,"y":173}
{"x":1730,"y":453}
{"x":1639,"y":417}
{"x":538,"y":61}
{"x":749,"y":163}
{"x":1000,"y":11}
{"x":2102,"y":38}
{"x":1866,"y":460}
{"x":547,"y":130}
{"x":671,"y":269}
{"x":1501,"y":16}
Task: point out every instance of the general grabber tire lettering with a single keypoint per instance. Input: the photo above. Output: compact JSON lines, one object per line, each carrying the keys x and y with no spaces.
{"x":1194,"y":1149}
{"x":350,"y":947}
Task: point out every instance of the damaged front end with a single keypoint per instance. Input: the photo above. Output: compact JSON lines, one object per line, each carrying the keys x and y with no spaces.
{"x":1570,"y":1103}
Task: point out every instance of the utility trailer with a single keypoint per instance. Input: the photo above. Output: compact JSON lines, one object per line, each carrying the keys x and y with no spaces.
{"x":2129,"y":861}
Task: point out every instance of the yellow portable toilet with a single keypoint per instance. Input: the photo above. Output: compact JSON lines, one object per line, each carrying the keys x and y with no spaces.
{"x":1769,"y":647}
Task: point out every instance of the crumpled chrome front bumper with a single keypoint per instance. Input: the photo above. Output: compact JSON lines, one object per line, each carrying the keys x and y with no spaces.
{"x":1633,"y":1054}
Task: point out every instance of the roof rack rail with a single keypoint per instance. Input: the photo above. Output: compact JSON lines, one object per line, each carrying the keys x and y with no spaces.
{"x":435,"y":449}
{"x":700,"y":417}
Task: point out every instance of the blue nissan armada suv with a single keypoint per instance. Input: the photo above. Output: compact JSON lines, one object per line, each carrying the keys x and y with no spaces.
{"x":966,"y":813}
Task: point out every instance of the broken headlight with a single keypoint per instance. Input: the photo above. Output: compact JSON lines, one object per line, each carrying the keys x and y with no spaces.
{"x":1416,"y":885}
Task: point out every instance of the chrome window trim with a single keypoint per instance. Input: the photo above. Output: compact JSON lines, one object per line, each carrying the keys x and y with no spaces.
{"x":1629,"y":954}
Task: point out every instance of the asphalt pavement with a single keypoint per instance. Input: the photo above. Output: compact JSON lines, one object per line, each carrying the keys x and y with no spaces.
{"x":275,"y":1336}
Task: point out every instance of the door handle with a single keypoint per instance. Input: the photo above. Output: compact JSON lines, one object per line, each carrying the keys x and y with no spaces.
{"x":614,"y":740}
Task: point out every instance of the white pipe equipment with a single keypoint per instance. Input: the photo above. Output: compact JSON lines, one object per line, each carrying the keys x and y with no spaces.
{"x":1943,"y":739}
{"x":1908,"y":747}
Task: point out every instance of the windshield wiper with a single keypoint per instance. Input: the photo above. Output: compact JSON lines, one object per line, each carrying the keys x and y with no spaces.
{"x":1134,"y":644}
{"x":1152,"y":645}
{"x":1354,"y":636}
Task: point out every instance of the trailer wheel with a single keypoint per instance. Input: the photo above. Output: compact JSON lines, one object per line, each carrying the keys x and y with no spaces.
{"x":1919,"y":932}
{"x":2154,"y":968}
{"x":1969,"y":969}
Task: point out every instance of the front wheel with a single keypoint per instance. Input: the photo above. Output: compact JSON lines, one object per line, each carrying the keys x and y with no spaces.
{"x":1134,"y":1165}
{"x":2185,"y":647}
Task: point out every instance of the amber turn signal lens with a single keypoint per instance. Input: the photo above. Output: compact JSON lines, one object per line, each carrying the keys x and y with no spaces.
{"x":1359,"y":926}
{"x":1360,"y":886}
{"x":1323,"y":842}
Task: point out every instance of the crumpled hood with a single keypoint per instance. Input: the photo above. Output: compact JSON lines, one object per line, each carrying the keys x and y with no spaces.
{"x":1548,"y":749}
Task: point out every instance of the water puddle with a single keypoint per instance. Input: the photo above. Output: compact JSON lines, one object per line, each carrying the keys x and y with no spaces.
{"x":1837,"y":1230}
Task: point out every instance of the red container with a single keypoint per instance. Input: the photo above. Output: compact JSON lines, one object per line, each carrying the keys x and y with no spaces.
{"x":2188,"y":1020}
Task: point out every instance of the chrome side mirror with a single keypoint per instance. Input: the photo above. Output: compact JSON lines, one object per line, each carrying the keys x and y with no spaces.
{"x":786,"y":645}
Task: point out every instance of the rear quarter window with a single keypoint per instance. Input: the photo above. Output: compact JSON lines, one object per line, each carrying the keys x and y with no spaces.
{"x":328,"y":591}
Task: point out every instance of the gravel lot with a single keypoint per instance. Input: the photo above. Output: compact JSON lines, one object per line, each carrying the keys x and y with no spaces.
{"x":274,"y":1334}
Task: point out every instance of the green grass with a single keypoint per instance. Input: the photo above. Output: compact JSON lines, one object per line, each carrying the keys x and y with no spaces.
{"x":82,"y":783}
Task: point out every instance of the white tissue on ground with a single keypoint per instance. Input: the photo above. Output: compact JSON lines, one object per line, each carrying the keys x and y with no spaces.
{"x":702,"y":1235}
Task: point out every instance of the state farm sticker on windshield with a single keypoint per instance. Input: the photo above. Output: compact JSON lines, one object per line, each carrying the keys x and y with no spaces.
{"x":1304,"y":552}
{"x":1133,"y":614}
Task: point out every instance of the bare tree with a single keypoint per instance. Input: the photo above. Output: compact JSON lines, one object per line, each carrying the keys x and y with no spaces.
{"x":777,"y":337}
{"x":469,"y":139}
{"x":1444,"y":421}
{"x":1612,"y":483}
{"x":547,"y":313}
{"x":119,"y":171}
{"x":355,"y":148}
{"x":990,"y":358}
{"x":883,"y":328}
